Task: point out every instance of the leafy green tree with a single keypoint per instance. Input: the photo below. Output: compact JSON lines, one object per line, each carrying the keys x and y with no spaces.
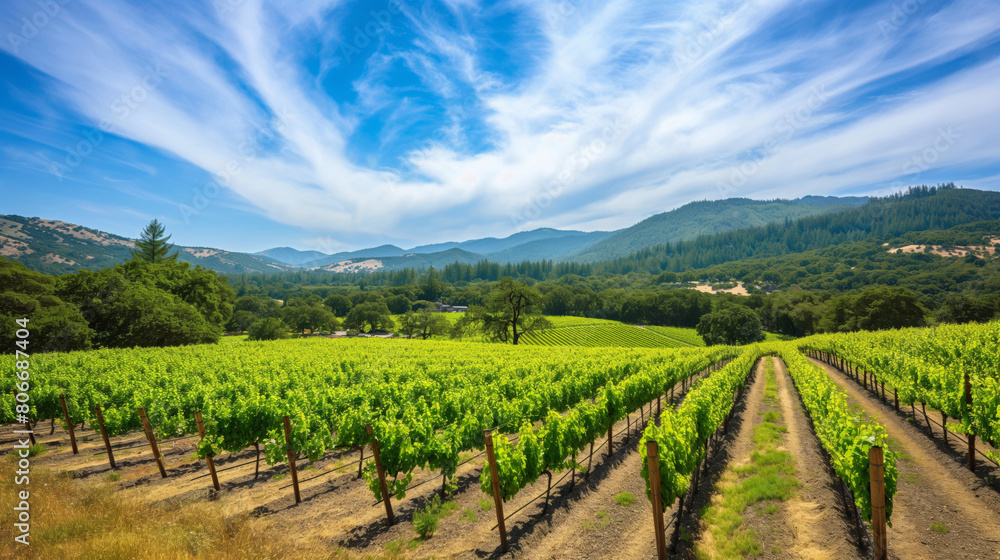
{"x":968,"y":308}
{"x":309,"y":317}
{"x":369,"y":316}
{"x":152,"y":246}
{"x":338,"y":304}
{"x":55,"y":325}
{"x":732,"y":325}
{"x":875,"y":308}
{"x":269,"y":328}
{"x":408,"y":324}
{"x":146,"y":304}
{"x":880,"y":308}
{"x":509,"y":311}
{"x":240,"y":321}
{"x":425,"y":323}
{"x":433,"y":288}
{"x":208,"y":292}
{"x":398,"y":304}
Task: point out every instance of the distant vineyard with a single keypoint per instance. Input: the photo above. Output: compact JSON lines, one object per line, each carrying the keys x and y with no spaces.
{"x":687,"y":336}
{"x":608,"y":333}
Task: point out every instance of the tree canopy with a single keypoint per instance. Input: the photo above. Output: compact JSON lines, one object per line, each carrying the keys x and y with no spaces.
{"x":152,"y":246}
{"x":509,"y":311}
{"x":732,"y":325}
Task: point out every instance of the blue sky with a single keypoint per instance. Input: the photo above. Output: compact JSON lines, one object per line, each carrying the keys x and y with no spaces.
{"x":338,"y":125}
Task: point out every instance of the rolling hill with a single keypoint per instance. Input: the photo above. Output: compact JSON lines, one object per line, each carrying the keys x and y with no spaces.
{"x":55,"y":247}
{"x":708,"y":217}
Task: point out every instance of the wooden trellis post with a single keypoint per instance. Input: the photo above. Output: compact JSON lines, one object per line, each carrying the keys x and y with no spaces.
{"x":495,"y":483}
{"x":972,"y":436}
{"x":291,"y":459}
{"x":208,"y":458}
{"x":381,"y":475}
{"x":104,"y":434}
{"x":152,"y":442}
{"x":653,"y":464}
{"x":876,"y":469}
{"x":69,"y":424}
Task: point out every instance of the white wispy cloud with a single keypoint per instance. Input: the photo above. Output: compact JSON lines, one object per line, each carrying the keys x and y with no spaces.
{"x":620,"y":108}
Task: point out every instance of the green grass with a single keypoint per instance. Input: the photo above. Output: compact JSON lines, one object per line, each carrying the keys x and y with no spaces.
{"x":603,"y":522}
{"x":940,"y":528}
{"x":468,"y":515}
{"x":112,"y":477}
{"x":625,"y":499}
{"x":397,"y":546}
{"x":425,"y":521}
{"x":485,"y":503}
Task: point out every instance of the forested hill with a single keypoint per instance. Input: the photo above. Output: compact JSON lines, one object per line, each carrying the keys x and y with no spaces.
{"x":921,"y":209}
{"x":706,"y":218}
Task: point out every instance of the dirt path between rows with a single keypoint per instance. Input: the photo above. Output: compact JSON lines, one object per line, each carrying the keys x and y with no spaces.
{"x":818,"y":513}
{"x":737,"y":452}
{"x":814,"y":523}
{"x":932,"y":491}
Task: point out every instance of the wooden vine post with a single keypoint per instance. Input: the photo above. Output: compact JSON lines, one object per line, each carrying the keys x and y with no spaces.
{"x":972,"y":436}
{"x":69,"y":424}
{"x":152,"y":442}
{"x":495,"y":484}
{"x":28,"y":429}
{"x":876,"y":468}
{"x":361,"y":462}
{"x":291,"y":459}
{"x":104,"y":434}
{"x":381,"y":475}
{"x":653,"y":464}
{"x":208,"y":458}
{"x":610,"y":428}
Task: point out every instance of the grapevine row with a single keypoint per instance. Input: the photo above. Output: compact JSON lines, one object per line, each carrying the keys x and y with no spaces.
{"x":842,"y":434}
{"x":929,"y":366}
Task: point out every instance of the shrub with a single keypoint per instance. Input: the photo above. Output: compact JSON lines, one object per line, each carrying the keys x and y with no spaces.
{"x":425,"y":523}
{"x":270,"y":328}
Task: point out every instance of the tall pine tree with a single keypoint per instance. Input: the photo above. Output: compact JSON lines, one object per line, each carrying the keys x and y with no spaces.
{"x":152,"y":246}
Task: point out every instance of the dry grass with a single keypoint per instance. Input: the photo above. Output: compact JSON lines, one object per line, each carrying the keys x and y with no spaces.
{"x":72,"y":519}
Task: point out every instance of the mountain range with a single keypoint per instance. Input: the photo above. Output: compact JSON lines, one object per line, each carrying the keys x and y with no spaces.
{"x":57,"y":247}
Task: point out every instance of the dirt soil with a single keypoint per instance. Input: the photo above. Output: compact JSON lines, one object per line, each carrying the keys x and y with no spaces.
{"x":933,"y":488}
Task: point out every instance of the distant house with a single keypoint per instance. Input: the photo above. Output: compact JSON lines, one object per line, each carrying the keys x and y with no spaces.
{"x":451,"y":308}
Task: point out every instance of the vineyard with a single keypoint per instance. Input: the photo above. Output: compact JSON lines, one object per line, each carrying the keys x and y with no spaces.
{"x":611,"y":334}
{"x":516,"y":429}
{"x":688,"y":336}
